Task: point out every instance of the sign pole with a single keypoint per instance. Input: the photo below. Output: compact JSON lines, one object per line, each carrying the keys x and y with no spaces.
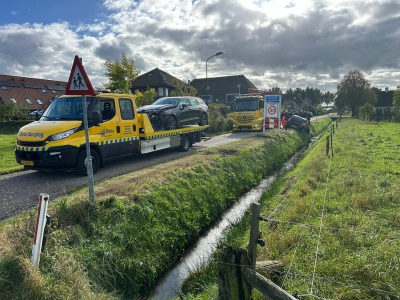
{"x":89,"y":165}
{"x":79,"y":84}
{"x":279,"y":116}
{"x":39,"y":229}
{"x":265,"y":115}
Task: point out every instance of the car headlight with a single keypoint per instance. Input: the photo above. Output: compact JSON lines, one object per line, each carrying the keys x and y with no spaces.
{"x":62,"y":135}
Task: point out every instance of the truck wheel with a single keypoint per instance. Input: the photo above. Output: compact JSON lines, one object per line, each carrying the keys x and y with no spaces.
{"x":185,"y":143}
{"x":172,"y":123}
{"x":203,"y":119}
{"x":80,"y":166}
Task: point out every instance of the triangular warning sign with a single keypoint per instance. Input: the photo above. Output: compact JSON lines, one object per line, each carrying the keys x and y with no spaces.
{"x":79,"y":83}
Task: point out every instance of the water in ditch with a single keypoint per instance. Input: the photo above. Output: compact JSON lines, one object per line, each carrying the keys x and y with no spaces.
{"x":170,"y":285}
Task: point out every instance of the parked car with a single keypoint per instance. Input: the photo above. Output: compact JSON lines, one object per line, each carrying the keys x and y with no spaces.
{"x":299,"y":123}
{"x":173,"y":112}
{"x":35,"y":113}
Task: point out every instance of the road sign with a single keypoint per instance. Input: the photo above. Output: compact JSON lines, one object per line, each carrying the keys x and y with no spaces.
{"x":79,"y":83}
{"x":272,"y":110}
{"x":274,"y":98}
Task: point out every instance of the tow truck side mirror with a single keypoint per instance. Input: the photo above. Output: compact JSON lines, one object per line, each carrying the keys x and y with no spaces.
{"x":95,"y":118}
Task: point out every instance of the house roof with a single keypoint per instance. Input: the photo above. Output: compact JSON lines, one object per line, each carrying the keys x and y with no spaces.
{"x":385,"y":99}
{"x":155,"y":78}
{"x":222,"y":85}
{"x":38,"y":91}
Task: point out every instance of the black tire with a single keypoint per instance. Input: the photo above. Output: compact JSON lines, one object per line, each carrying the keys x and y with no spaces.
{"x":80,"y":166}
{"x":185,"y":143}
{"x":172,"y":123}
{"x":203,"y":119}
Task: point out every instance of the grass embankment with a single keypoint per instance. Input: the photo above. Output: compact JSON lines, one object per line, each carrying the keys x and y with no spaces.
{"x":339,"y":226}
{"x":8,"y":135}
{"x":141,"y":224}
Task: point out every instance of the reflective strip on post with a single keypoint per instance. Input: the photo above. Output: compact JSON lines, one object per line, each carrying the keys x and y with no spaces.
{"x":39,"y":230}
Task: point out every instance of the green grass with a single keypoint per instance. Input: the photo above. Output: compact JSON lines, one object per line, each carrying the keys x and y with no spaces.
{"x":355,"y":196}
{"x":8,"y":136}
{"x":141,"y":224}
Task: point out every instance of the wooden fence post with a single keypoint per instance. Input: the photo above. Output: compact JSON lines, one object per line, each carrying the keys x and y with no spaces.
{"x":231,"y":266}
{"x":255,"y":219}
{"x":327,"y":145}
{"x":332,"y":143}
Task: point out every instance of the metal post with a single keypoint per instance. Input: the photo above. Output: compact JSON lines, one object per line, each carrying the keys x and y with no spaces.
{"x":89,"y":166}
{"x":39,"y":229}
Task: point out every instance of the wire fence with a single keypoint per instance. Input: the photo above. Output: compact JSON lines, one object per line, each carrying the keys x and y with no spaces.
{"x":289,"y":272}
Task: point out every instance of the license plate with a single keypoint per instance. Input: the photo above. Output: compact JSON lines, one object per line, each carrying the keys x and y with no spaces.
{"x":27,"y":163}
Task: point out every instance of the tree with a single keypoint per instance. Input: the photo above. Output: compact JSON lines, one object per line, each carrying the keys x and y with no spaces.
{"x":183,"y":90}
{"x":145,"y":98}
{"x":366,"y":111}
{"x":396,"y":104}
{"x":276,"y":89}
{"x":353,"y":91}
{"x":328,"y":98}
{"x":120,"y":74}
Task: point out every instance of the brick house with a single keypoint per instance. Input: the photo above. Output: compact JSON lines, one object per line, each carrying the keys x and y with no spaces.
{"x":32,"y":93}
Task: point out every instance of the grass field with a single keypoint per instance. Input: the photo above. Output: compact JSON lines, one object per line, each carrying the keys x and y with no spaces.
{"x":338,"y":228}
{"x":8,"y":135}
{"x":141,"y":224}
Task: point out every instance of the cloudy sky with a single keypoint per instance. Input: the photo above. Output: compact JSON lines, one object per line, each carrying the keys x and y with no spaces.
{"x":285,"y":43}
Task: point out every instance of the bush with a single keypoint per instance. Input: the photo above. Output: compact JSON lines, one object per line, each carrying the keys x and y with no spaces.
{"x":216,"y":119}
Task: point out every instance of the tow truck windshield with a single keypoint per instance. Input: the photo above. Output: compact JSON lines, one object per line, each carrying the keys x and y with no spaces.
{"x":246,"y":104}
{"x":69,"y":109}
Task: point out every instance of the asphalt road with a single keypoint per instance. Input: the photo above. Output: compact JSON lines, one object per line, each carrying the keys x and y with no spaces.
{"x":20,"y":191}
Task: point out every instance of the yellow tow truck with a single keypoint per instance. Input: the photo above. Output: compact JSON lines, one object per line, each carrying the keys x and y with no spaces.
{"x":57,"y":140}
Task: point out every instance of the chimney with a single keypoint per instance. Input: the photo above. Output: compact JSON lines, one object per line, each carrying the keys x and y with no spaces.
{"x":189,"y":82}
{"x":386,"y":89}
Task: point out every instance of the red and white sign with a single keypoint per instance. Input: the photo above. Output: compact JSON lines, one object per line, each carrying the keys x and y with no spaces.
{"x":272,"y":110}
{"x":79,"y":83}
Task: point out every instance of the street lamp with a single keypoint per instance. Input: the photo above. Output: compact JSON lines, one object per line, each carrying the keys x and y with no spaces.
{"x":216,"y":54}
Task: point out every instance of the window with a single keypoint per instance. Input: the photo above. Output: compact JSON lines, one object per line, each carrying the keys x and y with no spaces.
{"x":185,"y":101}
{"x":207,"y":87}
{"x":28,"y":100}
{"x":3,"y":87}
{"x":13,"y":100}
{"x":108,"y":111}
{"x":39,"y":101}
{"x":206,"y":98}
{"x":126,"y":109}
{"x":43,"y":90}
{"x":160,"y":91}
{"x":193,"y":102}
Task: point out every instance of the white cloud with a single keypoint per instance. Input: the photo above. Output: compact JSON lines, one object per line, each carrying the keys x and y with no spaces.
{"x":286,"y":43}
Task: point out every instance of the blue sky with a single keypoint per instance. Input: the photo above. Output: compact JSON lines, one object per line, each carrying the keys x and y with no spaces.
{"x":46,"y":11}
{"x":285,"y":43}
